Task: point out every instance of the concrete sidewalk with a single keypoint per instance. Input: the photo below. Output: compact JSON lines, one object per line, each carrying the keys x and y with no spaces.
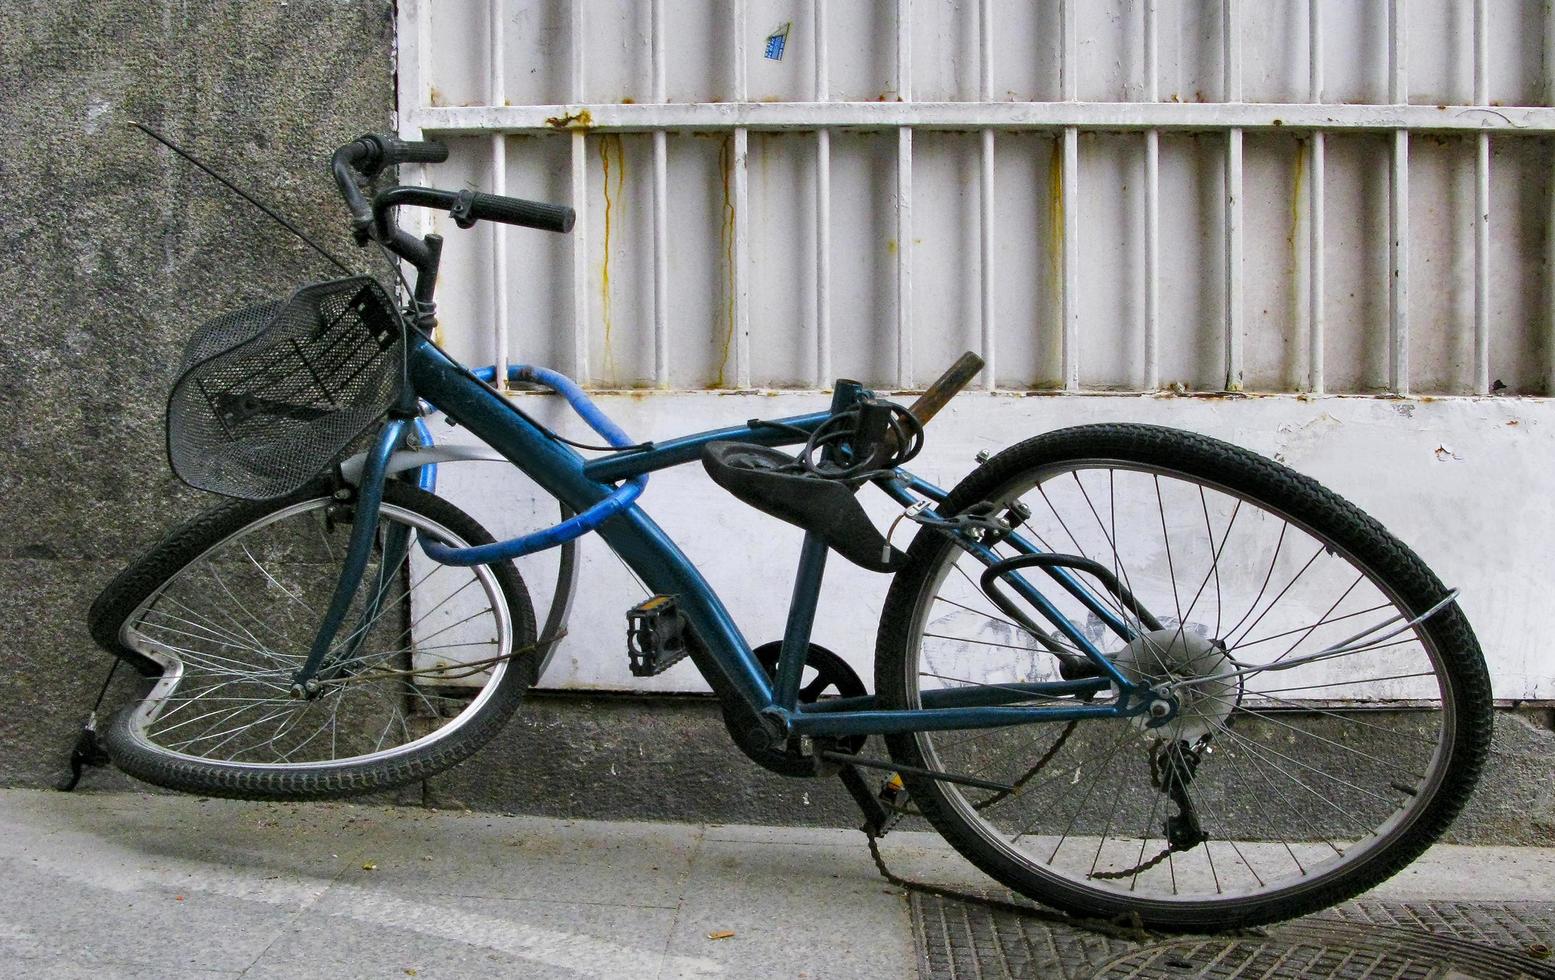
{"x":125,"y":885}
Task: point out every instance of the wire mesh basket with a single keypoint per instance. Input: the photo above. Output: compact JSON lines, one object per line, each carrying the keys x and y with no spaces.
{"x":269,"y":395}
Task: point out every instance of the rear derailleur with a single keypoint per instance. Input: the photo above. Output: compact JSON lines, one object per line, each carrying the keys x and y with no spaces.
{"x":1172,"y":769}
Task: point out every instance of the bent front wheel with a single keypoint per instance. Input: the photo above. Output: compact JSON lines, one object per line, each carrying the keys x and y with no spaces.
{"x":430,"y":660}
{"x":1322,"y":738}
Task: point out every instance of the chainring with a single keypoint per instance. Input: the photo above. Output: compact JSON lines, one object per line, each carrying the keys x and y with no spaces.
{"x":825,"y":674}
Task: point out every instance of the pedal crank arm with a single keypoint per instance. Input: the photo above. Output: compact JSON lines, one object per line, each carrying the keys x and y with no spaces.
{"x":876,"y":817}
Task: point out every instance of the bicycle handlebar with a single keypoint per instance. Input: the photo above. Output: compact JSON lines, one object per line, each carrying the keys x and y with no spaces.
{"x":371,"y":153}
{"x":396,"y":151}
{"x":468,"y":207}
{"x":368,"y":155}
{"x":517,"y":211}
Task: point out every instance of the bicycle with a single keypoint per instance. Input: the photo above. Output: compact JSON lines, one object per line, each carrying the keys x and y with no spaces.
{"x":1123,"y":669}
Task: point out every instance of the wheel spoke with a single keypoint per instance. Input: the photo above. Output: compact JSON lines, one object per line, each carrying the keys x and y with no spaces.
{"x":1094,"y":782}
{"x":1282,"y":593}
{"x":1321,"y":622}
{"x":1282,"y":790}
{"x":1171,"y":569}
{"x":237,"y":623}
{"x":979,"y":612}
{"x":1119,"y":570}
{"x":1260,"y":750}
{"x":984,"y":643}
{"x":1049,"y":640}
{"x":1313,"y":709}
{"x":1263,"y":717}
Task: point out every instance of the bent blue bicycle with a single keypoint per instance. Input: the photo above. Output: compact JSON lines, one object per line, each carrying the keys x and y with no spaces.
{"x":1123,"y":669}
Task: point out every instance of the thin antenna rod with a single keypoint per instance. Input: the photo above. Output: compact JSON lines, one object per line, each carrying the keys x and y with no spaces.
{"x":245,"y":196}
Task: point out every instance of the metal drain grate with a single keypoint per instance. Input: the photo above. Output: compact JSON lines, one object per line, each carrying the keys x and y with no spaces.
{"x":1359,"y":939}
{"x":965,"y":941}
{"x":1508,"y":925}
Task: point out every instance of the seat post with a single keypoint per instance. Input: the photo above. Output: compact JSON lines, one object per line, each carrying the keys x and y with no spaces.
{"x":807,"y":585}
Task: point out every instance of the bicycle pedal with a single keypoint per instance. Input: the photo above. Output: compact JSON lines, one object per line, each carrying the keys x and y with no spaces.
{"x":893,"y":795}
{"x":655,"y":636}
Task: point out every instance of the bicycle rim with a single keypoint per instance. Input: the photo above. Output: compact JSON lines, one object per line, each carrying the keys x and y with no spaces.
{"x":1295,"y":782}
{"x":232,"y":626}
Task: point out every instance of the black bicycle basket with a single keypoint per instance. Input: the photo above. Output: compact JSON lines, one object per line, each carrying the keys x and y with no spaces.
{"x":268,"y":396}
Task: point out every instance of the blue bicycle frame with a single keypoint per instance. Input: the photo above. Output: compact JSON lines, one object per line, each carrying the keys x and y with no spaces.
{"x":588,"y":488}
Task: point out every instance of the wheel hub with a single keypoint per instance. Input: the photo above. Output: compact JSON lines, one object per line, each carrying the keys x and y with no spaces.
{"x":1169,"y":656}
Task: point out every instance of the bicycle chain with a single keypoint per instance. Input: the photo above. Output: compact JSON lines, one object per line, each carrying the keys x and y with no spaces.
{"x":1128,"y":926}
{"x":1146,"y":865}
{"x":1047,"y":757}
{"x":1165,"y":852}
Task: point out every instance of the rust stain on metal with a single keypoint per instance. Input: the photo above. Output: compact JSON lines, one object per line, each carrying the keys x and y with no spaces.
{"x":726,"y":234}
{"x":582,"y":119}
{"x":1055,"y":202}
{"x":1055,"y":207}
{"x":1298,"y":177}
{"x":605,"y":144}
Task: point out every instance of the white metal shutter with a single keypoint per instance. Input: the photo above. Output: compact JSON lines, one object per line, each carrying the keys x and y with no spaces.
{"x":1294,"y":196}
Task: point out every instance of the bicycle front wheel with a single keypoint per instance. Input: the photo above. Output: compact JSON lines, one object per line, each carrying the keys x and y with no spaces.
{"x":1322,"y":738}
{"x":428,"y":664}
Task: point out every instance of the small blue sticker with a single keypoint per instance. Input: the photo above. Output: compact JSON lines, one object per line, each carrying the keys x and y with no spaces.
{"x":777,"y":41}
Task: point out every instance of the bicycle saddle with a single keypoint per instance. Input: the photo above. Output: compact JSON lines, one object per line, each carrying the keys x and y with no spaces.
{"x":774,"y":483}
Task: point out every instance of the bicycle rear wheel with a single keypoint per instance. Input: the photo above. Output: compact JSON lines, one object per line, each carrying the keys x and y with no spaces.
{"x":1303,"y":766}
{"x":429,"y":663}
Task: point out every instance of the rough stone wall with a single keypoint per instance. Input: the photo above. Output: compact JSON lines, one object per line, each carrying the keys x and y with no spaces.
{"x":116,"y":249}
{"x":113,"y":250}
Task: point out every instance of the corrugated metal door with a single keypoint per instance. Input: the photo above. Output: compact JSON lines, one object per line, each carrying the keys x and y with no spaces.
{"x":1321,"y":197}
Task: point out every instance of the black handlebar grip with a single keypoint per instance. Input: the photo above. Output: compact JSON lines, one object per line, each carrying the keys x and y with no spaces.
{"x":516,"y":211}
{"x":396,"y":151}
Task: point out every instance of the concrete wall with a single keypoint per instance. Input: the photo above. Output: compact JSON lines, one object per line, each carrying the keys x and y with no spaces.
{"x":1462,"y":481}
{"x":113,"y":249}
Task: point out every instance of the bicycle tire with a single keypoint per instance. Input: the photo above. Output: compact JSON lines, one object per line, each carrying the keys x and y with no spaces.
{"x":256,"y":647}
{"x":968,"y":819}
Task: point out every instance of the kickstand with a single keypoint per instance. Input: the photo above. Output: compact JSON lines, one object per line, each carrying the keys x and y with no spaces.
{"x":88,"y":751}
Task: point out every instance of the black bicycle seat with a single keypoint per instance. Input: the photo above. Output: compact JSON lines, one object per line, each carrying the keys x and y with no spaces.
{"x":776,"y":483}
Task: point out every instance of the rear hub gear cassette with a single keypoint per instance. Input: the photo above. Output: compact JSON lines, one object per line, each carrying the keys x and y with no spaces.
{"x":1166,"y":657}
